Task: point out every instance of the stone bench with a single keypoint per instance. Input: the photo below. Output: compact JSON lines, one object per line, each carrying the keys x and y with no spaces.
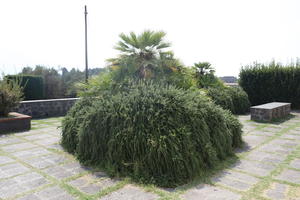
{"x":270,"y":111}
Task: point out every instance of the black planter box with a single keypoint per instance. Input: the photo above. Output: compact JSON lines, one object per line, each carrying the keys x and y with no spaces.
{"x":16,"y":122}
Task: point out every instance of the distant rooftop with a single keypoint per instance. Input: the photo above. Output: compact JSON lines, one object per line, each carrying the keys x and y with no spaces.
{"x":229,"y":79}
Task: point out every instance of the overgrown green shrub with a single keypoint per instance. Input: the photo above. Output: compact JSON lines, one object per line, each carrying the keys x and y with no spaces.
{"x":230,"y":98}
{"x":266,"y":83}
{"x":33,"y":86}
{"x":151,"y":132}
{"x":72,"y":122}
{"x":10,"y":96}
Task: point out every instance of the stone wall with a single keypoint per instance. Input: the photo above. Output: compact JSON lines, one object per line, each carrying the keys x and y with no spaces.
{"x":46,"y":108}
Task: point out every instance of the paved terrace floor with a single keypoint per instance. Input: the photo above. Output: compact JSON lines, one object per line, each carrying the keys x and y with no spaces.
{"x":33,"y":166}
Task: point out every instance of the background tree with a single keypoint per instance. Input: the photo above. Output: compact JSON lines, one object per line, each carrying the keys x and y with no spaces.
{"x":204,"y":68}
{"x":205,"y":75}
{"x":59,"y":83}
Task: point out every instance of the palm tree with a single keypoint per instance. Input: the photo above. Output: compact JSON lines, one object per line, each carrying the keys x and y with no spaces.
{"x":204,"y":68}
{"x":144,"y":52}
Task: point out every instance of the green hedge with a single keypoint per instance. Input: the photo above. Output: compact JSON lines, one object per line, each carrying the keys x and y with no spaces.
{"x":153,"y":133}
{"x":33,"y":86}
{"x":272,"y":82}
{"x":234,"y":99}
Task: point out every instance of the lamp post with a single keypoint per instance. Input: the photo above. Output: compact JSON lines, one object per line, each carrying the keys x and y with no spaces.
{"x":86,"y":53}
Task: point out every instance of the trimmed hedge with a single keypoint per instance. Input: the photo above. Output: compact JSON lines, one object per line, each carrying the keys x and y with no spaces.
{"x":234,"y":99}
{"x":153,"y":133}
{"x":272,"y":82}
{"x":33,"y":86}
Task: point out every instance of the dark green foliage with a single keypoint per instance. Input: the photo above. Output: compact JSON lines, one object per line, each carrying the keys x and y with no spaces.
{"x":33,"y":86}
{"x":230,"y":98}
{"x":72,"y":122}
{"x":272,"y":82}
{"x":59,"y":83}
{"x":221,"y":97}
{"x":240,"y":100}
{"x":235,"y":128}
{"x":152,"y":132}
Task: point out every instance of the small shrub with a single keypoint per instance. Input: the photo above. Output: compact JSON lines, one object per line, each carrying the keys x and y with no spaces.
{"x":151,"y":132}
{"x":230,"y":98}
{"x":10,"y":96}
{"x":240,"y":100}
{"x":33,"y":86}
{"x":221,"y":97}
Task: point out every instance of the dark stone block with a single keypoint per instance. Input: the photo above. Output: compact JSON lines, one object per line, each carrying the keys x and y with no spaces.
{"x":270,"y":111}
{"x":16,"y":123}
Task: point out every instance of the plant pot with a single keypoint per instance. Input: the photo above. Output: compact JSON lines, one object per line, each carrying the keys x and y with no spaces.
{"x":15,"y":122}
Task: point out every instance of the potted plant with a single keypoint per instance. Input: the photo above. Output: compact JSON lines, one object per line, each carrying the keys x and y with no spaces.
{"x":10,"y":96}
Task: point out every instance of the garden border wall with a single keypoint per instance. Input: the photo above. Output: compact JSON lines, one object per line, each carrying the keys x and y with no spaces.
{"x":46,"y":108}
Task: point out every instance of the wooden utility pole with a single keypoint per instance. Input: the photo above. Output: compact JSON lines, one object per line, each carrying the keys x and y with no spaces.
{"x":86,"y":53}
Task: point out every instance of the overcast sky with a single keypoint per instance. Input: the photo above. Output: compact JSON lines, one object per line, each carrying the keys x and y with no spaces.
{"x":227,"y":33}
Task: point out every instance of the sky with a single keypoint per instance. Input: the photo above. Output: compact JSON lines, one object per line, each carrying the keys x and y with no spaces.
{"x":228,"y":34}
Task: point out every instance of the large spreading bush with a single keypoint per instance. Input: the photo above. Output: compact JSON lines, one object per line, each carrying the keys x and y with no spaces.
{"x":234,"y":99}
{"x":151,"y":132}
{"x":266,"y":83}
{"x":10,"y":96}
{"x":33,"y":86}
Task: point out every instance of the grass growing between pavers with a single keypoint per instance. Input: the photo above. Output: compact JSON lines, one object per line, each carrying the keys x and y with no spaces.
{"x":257,"y":191}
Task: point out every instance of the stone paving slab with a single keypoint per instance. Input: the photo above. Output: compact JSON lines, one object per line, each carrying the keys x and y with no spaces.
{"x":262,"y":133}
{"x":58,"y":172}
{"x":277,"y":191}
{"x":6,"y":140}
{"x":255,"y":168}
{"x":17,"y":147}
{"x":5,"y":160}
{"x":232,"y":183}
{"x":295,"y":164}
{"x":294,"y":131}
{"x":207,"y":192}
{"x":266,"y":157}
{"x":38,"y":163}
{"x":274,"y":129}
{"x":37,"y":137}
{"x":275,"y":148}
{"x":130,"y":192}
{"x":49,"y":141}
{"x":13,"y":169}
{"x":91,"y":185}
{"x":56,"y":147}
{"x":289,"y":175}
{"x":253,"y":141}
{"x":50,"y":193}
{"x":21,"y":184}
{"x":34,"y":152}
{"x":247,"y":128}
{"x":236,"y":180}
{"x":291,"y":136}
